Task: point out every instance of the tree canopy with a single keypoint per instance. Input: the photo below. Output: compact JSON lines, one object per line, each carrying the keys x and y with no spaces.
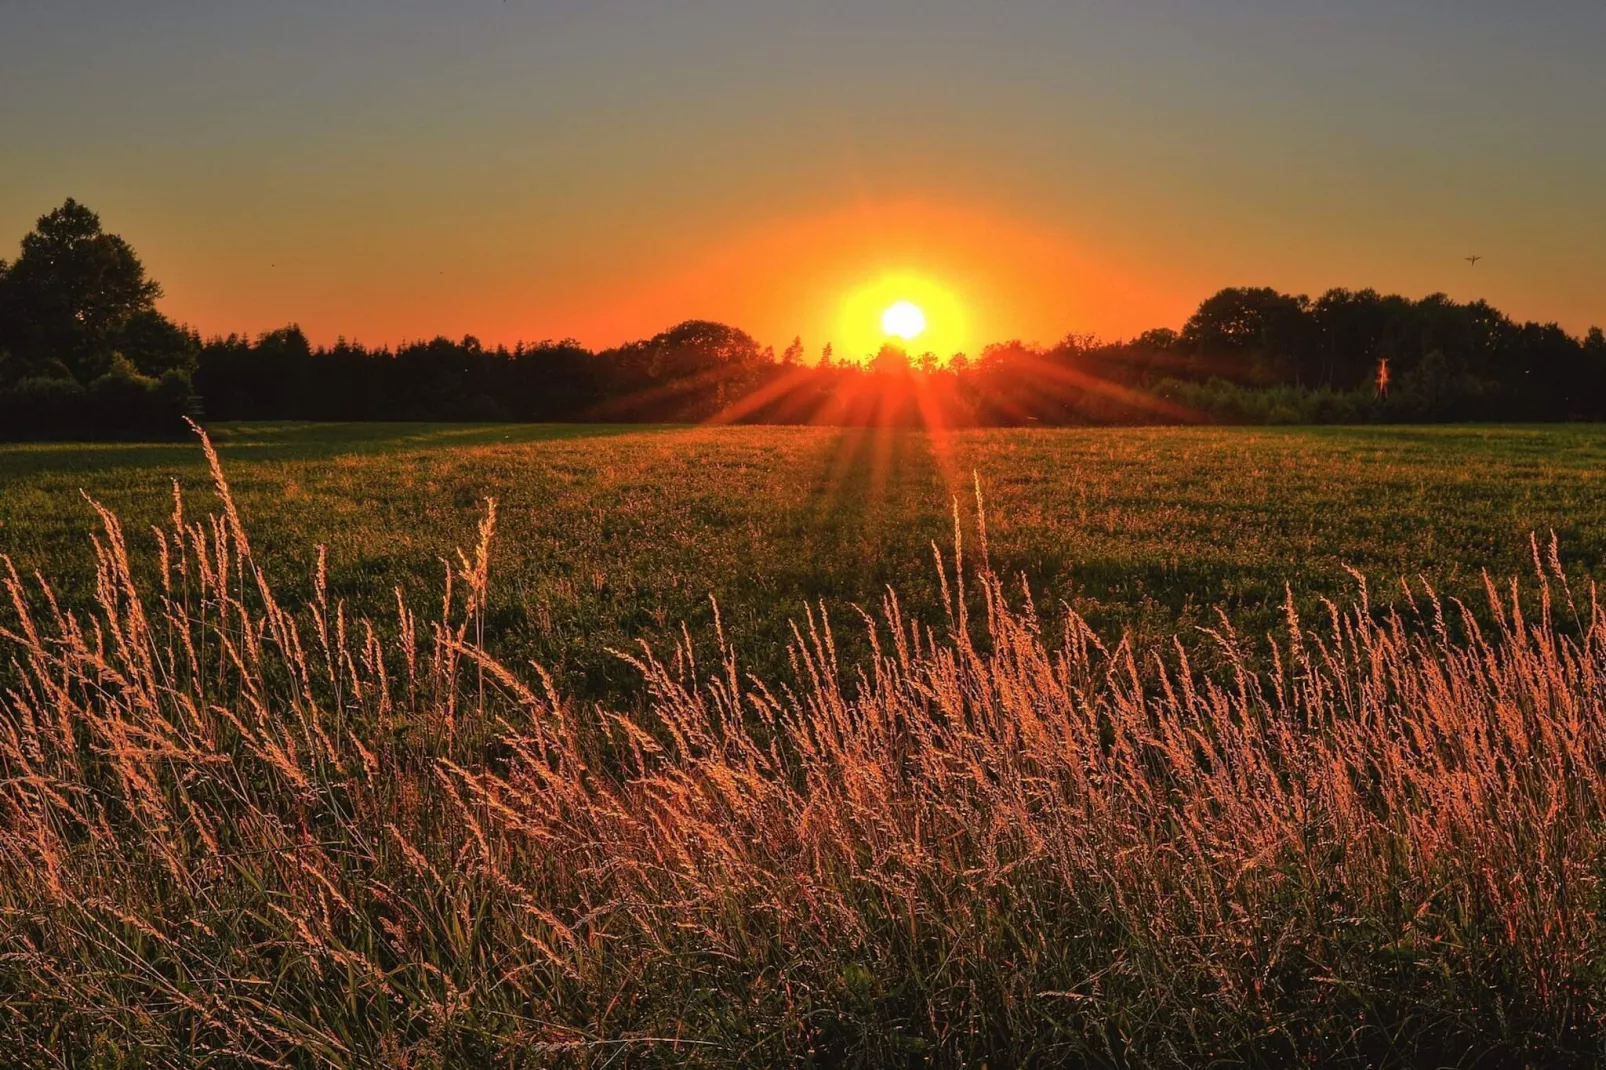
{"x":75,"y":296}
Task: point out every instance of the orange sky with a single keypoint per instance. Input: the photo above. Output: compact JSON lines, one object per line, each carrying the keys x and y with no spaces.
{"x":801,"y":277}
{"x":809,"y":277}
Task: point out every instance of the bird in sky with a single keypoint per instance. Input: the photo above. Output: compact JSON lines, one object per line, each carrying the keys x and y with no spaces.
{"x":1473,"y":260}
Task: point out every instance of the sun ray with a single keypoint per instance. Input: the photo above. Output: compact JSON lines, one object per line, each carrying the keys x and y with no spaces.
{"x":787,"y":385}
{"x":1046,"y":371}
{"x":623,"y":406}
{"x":937,"y":427}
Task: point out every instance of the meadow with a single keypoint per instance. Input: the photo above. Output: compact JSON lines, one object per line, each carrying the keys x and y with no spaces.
{"x":258,"y":808}
{"x":612,"y":535}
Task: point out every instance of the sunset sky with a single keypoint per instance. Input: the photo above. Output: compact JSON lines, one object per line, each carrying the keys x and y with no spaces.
{"x":596,"y":169}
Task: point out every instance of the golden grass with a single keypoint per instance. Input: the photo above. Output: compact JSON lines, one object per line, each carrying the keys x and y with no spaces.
{"x":233,"y":832}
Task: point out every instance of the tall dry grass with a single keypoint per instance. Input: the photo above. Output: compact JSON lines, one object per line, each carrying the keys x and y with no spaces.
{"x":233,"y":832}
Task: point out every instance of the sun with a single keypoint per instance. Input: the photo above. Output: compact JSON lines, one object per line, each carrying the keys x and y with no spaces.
{"x":903,"y":319}
{"x":909,"y":308}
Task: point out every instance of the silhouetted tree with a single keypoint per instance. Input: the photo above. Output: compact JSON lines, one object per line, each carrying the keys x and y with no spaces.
{"x":890,"y":359}
{"x":689,"y":372}
{"x":1253,"y":334}
{"x":155,"y":345}
{"x":70,"y":294}
{"x":1349,"y":328}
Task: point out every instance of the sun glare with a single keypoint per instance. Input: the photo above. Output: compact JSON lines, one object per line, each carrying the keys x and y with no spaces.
{"x":908,"y":309}
{"x":903,"y":319}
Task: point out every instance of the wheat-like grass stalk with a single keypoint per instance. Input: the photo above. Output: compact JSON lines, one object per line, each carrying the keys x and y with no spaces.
{"x":1380,"y":840}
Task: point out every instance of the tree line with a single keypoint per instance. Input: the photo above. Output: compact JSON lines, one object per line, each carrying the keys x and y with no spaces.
{"x":84,"y":353}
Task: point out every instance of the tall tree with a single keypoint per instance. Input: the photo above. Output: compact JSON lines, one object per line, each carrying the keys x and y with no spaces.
{"x":1254,"y":334}
{"x":68,"y":296}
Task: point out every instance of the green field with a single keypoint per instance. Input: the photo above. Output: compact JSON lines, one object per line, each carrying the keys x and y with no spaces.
{"x":608,"y":535}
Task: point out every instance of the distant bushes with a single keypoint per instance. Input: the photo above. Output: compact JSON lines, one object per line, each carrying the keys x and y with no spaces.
{"x":1252,"y":357}
{"x":1425,"y":396}
{"x":122,"y":404}
{"x":702,"y":371}
{"x":1218,"y":401}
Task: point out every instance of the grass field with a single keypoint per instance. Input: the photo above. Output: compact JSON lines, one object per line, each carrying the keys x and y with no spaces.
{"x":240,"y":826}
{"x":612,"y":534}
